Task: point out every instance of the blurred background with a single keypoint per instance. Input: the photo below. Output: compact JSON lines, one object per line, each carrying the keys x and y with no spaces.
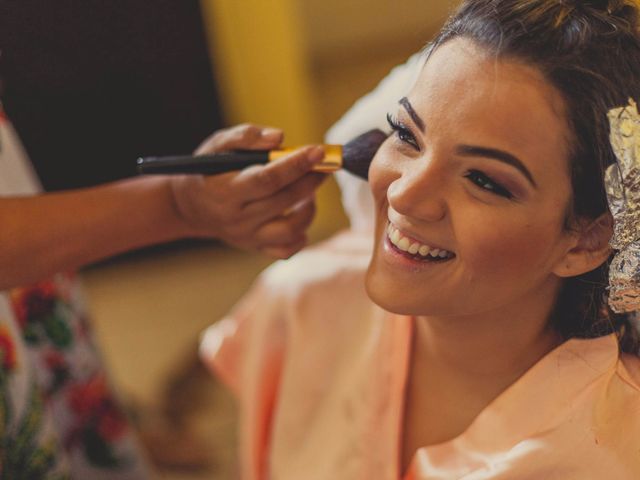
{"x":92,"y":84}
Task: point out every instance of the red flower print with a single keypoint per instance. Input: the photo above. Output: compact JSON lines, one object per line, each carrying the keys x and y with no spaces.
{"x":7,"y":349}
{"x":93,"y":405}
{"x":86,"y":398}
{"x":55,"y":360}
{"x":112,"y":424}
{"x":32,"y":303}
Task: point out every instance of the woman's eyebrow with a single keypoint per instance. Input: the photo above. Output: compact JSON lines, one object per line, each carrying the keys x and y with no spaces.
{"x":500,"y":155}
{"x":404,"y":101}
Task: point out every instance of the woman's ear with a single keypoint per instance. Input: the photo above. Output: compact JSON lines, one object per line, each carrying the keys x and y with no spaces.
{"x":590,"y":247}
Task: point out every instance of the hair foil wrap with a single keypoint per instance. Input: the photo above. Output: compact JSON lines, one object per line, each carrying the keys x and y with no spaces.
{"x":622,"y":184}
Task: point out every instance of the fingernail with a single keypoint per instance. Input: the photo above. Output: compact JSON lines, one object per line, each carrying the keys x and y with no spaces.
{"x":316,"y":154}
{"x":271,"y":133}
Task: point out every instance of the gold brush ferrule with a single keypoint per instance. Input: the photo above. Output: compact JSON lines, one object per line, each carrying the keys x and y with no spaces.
{"x":331,"y":162}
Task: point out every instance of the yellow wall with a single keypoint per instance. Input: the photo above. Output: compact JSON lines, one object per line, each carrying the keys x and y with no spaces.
{"x":257,"y":48}
{"x":299,"y":64}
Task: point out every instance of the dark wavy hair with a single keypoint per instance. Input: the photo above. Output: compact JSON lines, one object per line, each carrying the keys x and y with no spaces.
{"x":590,"y":52}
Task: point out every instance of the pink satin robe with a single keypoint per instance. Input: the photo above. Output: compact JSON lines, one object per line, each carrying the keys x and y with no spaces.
{"x":320,"y":372}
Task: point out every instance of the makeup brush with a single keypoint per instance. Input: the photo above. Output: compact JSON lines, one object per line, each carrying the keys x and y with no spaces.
{"x":355,"y":157}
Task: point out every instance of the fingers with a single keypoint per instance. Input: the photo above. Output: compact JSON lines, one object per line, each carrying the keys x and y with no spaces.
{"x":271,"y":207}
{"x":286,"y":251}
{"x":246,"y":208}
{"x":287,"y":232}
{"x":263,"y":181}
{"x":246,"y":136}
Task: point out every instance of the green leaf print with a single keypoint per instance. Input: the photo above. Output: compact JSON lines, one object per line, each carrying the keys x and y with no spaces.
{"x":23,"y":458}
{"x":5,"y":405}
{"x":98,"y":451}
{"x":58,"y":331}
{"x":30,"y":334}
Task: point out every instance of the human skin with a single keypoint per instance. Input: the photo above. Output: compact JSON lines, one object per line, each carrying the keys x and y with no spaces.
{"x":265,"y":208}
{"x":481,"y":317}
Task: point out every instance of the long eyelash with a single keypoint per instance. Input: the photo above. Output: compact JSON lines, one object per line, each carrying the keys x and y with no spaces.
{"x":497,"y":189}
{"x":403,"y":132}
{"x":393,"y":123}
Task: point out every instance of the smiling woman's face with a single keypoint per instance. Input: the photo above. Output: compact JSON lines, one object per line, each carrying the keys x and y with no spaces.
{"x":477,"y":169}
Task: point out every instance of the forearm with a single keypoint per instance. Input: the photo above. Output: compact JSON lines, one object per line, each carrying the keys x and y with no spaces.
{"x":52,"y":232}
{"x":265,"y":208}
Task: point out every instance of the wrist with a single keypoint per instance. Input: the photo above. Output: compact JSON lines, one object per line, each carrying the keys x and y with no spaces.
{"x":185,"y":207}
{"x":178,"y":207}
{"x":158,"y":208}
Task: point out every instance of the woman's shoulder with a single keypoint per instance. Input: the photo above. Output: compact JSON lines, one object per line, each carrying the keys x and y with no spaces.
{"x":603,"y":418}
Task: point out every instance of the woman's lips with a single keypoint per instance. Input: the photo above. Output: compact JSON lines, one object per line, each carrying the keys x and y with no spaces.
{"x":412,"y":248}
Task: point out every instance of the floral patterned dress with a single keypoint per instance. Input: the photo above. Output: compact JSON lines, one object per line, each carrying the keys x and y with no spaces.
{"x":59,"y":418}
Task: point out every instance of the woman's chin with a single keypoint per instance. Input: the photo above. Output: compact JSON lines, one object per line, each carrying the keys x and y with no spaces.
{"x":390,"y":298}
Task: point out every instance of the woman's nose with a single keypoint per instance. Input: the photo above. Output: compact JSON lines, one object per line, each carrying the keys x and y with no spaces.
{"x":419,"y":194}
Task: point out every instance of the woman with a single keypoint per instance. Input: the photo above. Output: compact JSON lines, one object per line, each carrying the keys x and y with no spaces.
{"x":500,"y":357}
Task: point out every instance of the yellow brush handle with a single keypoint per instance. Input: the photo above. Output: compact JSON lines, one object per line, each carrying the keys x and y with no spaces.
{"x":331,"y":162}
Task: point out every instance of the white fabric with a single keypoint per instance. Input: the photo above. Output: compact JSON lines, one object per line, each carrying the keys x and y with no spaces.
{"x":17,"y":177}
{"x":366,"y":114}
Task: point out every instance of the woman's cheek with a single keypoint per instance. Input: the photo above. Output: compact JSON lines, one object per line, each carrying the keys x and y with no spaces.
{"x":507,"y":249}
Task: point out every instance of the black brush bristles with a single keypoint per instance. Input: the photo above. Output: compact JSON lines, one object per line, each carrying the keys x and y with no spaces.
{"x":358,"y":153}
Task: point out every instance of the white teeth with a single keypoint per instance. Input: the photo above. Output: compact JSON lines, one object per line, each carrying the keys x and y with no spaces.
{"x":406,"y":245}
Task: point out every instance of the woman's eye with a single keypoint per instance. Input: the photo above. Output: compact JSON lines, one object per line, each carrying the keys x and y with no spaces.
{"x":403,"y":133}
{"x":486,"y":183}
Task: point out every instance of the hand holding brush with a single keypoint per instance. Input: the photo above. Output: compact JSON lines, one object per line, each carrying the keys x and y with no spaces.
{"x":262,"y":207}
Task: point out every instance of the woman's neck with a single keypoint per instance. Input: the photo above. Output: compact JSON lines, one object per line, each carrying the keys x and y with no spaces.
{"x":487,"y":351}
{"x":491,"y":345}
{"x":460,"y":365}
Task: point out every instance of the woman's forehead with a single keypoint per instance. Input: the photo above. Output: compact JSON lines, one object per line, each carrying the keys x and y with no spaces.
{"x":462,"y":70}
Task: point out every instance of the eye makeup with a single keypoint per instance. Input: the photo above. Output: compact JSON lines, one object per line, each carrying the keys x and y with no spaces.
{"x":485,"y":182}
{"x":403,"y":132}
